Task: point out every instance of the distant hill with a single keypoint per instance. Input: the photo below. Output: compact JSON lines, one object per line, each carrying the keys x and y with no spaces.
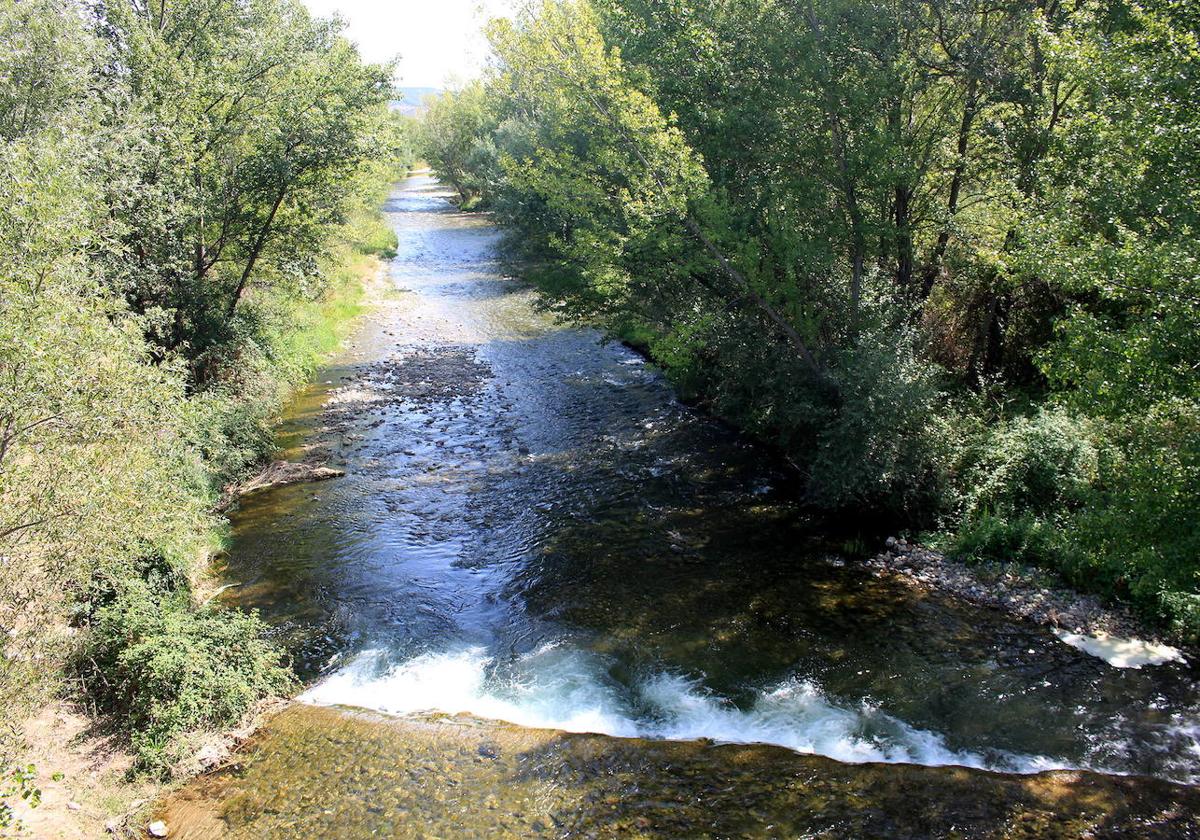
{"x":411,"y":99}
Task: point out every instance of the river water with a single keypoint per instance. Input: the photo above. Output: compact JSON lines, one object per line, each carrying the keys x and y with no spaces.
{"x":535,"y":537}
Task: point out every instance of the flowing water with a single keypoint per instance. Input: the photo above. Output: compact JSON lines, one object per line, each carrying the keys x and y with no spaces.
{"x":534,"y":531}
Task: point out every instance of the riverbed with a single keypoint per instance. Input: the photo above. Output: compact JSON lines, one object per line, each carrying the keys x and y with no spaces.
{"x":548,"y":599}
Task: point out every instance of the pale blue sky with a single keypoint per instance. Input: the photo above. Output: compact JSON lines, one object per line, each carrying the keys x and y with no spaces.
{"x":436,"y":40}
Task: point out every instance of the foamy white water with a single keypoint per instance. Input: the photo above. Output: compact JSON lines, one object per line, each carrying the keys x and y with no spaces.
{"x":557,"y":697}
{"x":1119,"y":652}
{"x":560,"y":688}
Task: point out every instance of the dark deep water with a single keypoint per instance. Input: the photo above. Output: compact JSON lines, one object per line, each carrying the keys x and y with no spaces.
{"x":534,"y":530}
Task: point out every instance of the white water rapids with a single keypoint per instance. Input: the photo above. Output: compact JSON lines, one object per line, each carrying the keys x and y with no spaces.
{"x":556,"y":687}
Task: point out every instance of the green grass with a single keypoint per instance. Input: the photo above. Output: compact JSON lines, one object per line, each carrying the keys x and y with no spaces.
{"x":319,"y":327}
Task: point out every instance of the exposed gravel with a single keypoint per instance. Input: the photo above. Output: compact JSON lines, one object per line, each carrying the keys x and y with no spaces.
{"x":1019,"y":591}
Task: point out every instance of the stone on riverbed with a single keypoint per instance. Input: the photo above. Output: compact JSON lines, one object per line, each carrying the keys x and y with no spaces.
{"x":424,"y":776}
{"x":1032,"y":595}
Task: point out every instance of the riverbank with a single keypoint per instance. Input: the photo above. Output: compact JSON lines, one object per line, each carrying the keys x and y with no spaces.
{"x":1033,"y":595}
{"x":87,"y":777}
{"x":90,"y":774}
{"x":1030,"y":594}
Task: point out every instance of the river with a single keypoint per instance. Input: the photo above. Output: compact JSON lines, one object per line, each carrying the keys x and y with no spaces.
{"x":535,"y":538}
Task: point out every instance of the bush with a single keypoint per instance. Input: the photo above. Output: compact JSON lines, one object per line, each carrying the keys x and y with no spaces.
{"x":881,"y":442}
{"x":17,"y":783}
{"x":1109,"y":505}
{"x":1025,"y":538}
{"x":885,"y":445}
{"x":1043,"y":465}
{"x":1139,"y":529}
{"x":168,"y":668}
{"x":1016,"y":486}
{"x":229,"y":426}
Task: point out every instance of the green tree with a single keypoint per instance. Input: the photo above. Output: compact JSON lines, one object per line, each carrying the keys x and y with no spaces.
{"x":921,"y":246}
{"x":455,"y":140}
{"x":175,"y":186}
{"x":234,"y":158}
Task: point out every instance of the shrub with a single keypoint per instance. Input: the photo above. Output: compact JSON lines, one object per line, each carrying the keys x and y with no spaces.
{"x":1139,"y":529}
{"x":168,"y":668}
{"x":17,"y":783}
{"x":1024,"y":538}
{"x":1044,"y":465}
{"x":885,"y":445}
{"x":1015,"y":486}
{"x":1110,"y":505}
{"x":229,"y":429}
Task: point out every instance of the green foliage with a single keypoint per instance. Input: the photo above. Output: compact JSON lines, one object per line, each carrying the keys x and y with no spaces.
{"x":1016,"y":486}
{"x":1139,"y":527}
{"x":454,"y":139}
{"x":273,"y":119}
{"x":1109,"y":506}
{"x":1118,"y":232}
{"x":853,"y":229}
{"x":17,"y":782}
{"x":188,"y":207}
{"x":1023,"y":538}
{"x":1044,"y":464}
{"x":166,"y":668}
{"x":886,"y":444}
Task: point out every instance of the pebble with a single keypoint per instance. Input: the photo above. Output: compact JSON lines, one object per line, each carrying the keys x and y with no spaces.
{"x":1009,"y":589}
{"x":488,"y":751}
{"x":158,"y":828}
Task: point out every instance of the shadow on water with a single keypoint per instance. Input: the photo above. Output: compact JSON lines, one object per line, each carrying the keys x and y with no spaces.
{"x":533,"y":529}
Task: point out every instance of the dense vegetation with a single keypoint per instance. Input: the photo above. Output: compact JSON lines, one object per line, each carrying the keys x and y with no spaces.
{"x":188,"y":194}
{"x":942,"y":252}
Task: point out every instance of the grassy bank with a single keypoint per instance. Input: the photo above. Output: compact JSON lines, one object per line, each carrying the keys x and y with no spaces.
{"x":189,"y":200}
{"x":137,"y":649}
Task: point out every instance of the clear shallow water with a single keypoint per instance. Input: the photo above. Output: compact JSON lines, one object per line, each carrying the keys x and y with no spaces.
{"x":332,"y":773}
{"x":532,"y":529}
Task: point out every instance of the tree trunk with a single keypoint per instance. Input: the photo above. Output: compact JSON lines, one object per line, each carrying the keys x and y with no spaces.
{"x":255,"y":251}
{"x":902,"y":217}
{"x":934,"y":267}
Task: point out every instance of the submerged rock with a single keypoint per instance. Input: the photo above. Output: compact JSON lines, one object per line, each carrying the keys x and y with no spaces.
{"x":488,"y":751}
{"x":598,"y":786}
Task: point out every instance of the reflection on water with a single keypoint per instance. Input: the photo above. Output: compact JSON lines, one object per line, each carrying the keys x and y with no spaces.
{"x":533,"y":529}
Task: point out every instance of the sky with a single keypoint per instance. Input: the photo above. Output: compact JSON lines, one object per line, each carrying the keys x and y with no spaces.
{"x":436,"y":40}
